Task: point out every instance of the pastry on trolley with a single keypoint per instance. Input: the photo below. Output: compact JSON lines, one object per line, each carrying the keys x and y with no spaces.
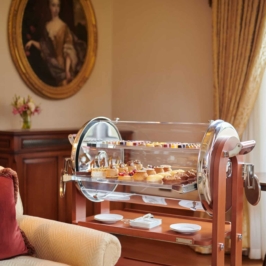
{"x":185,"y":175}
{"x":191,"y":173}
{"x":169,"y":180}
{"x":140,"y":175}
{"x":112,"y":172}
{"x":131,"y":166}
{"x":173,"y":145}
{"x":166,"y":167}
{"x":157,"y":178}
{"x":98,"y":173}
{"x":158,"y":169}
{"x":182,"y":176}
{"x":138,"y":165}
{"x":150,"y":171}
{"x":167,"y":174}
{"x":158,"y":144}
{"x":129,"y":143}
{"x":150,"y":144}
{"x":173,"y":172}
{"x":124,"y":177}
{"x":122,"y":168}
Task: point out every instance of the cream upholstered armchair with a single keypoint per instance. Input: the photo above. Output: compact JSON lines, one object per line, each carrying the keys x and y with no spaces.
{"x":58,"y":243}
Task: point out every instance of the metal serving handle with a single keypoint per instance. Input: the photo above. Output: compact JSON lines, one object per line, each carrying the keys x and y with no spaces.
{"x":251,"y":181}
{"x":251,"y":184}
{"x":62,"y":185}
{"x":241,"y":148}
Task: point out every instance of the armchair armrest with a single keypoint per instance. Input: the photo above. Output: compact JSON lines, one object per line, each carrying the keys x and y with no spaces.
{"x":70,"y":244}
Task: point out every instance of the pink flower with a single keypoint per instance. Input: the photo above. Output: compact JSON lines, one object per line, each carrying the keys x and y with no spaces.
{"x":15,"y":111}
{"x":22,"y":105}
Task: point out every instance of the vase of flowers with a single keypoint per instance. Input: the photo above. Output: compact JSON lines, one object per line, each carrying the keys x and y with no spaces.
{"x":25,"y":107}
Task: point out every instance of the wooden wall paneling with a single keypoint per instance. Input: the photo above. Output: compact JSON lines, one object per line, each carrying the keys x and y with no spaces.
{"x":6,"y":160}
{"x":38,"y":157}
{"x":40,"y":185}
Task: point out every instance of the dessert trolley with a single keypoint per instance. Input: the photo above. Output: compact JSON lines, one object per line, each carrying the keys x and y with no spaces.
{"x":211,"y":151}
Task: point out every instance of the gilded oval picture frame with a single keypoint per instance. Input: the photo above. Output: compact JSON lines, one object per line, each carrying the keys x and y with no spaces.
{"x":53,"y":44}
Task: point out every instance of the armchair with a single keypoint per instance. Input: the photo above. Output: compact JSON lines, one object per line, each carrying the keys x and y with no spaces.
{"x":58,"y":243}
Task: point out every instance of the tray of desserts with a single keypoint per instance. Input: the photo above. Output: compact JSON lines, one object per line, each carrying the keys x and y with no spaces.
{"x":134,"y":173}
{"x":101,"y":160}
{"x":98,"y":143}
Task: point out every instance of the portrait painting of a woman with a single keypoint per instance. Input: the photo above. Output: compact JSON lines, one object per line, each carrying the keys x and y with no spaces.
{"x":55,"y":36}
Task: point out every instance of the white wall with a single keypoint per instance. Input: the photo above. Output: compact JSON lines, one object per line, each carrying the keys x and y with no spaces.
{"x":92,"y":100}
{"x":153,"y":63}
{"x":162,"y":60}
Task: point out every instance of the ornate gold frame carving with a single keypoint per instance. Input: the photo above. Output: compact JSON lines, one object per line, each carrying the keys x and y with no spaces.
{"x":18,"y":53}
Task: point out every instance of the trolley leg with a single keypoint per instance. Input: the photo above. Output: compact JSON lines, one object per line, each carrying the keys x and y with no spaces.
{"x":79,"y":204}
{"x":219,"y":196}
{"x":237,"y":214}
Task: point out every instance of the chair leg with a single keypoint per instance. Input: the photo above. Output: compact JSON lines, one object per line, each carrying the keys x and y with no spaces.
{"x":264,"y":262}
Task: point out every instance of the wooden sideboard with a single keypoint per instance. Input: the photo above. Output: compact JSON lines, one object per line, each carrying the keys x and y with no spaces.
{"x":38,"y":157}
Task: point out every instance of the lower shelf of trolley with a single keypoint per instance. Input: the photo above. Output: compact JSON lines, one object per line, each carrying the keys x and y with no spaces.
{"x":162,"y":232}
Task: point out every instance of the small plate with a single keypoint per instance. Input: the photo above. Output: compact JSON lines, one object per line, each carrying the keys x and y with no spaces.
{"x":108,"y":218}
{"x":185,"y":228}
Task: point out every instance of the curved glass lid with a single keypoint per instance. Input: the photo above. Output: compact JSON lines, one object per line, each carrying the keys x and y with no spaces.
{"x":83,"y":148}
{"x":91,"y":150}
{"x":217,"y":129}
{"x":84,"y":154}
{"x":163,"y":131}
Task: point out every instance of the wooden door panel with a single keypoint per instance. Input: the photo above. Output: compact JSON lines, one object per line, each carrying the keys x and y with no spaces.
{"x":40,"y":187}
{"x":5,"y":161}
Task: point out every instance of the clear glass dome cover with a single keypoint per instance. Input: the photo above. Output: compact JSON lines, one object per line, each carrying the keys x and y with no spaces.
{"x":97,"y":142}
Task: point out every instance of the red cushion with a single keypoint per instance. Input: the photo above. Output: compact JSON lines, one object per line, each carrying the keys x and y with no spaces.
{"x":11,"y":240}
